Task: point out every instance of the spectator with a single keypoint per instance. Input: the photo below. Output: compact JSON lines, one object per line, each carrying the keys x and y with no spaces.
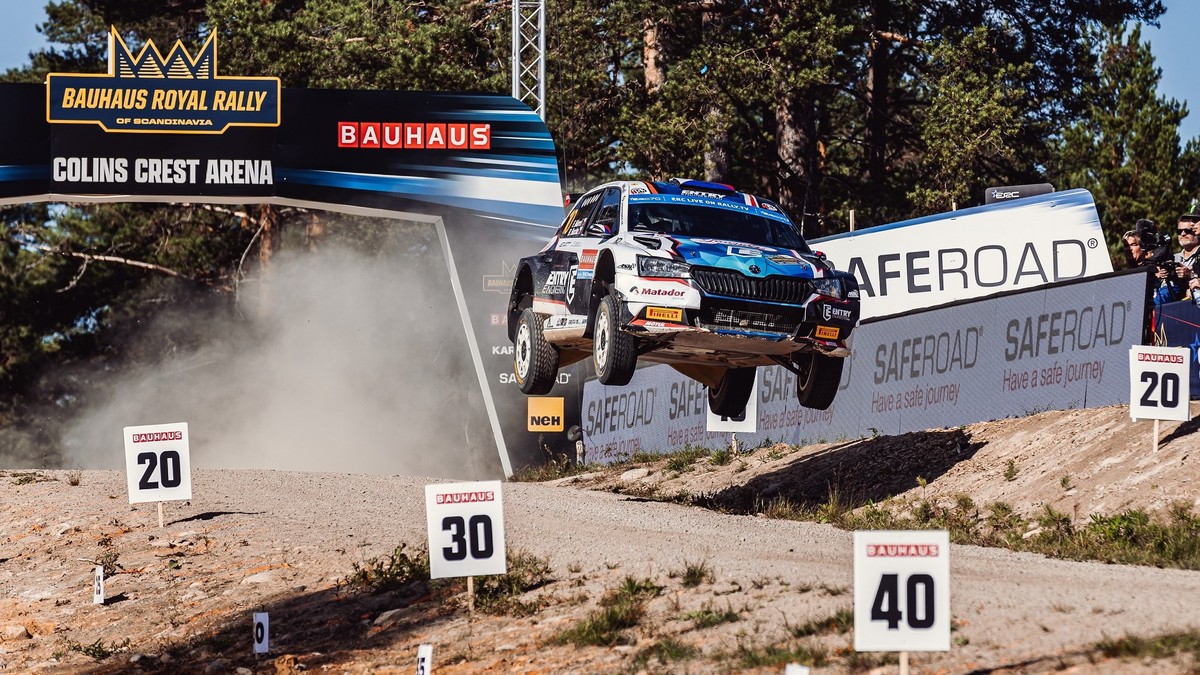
{"x":1134,"y":255}
{"x":1188,"y":258}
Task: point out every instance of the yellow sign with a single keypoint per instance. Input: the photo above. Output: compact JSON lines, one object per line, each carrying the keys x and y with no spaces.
{"x":664,"y":314}
{"x":546,"y":413}
{"x":827,"y":332}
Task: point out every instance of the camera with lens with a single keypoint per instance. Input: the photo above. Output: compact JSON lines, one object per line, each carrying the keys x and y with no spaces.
{"x":1157,"y":246}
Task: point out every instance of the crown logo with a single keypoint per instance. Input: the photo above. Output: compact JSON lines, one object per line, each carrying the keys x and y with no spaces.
{"x":150,"y":64}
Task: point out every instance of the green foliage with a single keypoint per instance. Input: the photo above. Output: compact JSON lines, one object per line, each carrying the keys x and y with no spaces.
{"x":971,"y":123}
{"x":1010,"y":470}
{"x":501,"y":593}
{"x":1125,"y":148}
{"x":694,"y":574}
{"x":841,"y":621}
{"x":708,"y":616}
{"x":98,"y":650}
{"x":1162,"y":646}
{"x":619,"y":610}
{"x":663,"y":652}
{"x":396,"y":571}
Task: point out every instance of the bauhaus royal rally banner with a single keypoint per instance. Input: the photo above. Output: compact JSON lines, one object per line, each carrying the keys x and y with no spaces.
{"x":175,"y":127}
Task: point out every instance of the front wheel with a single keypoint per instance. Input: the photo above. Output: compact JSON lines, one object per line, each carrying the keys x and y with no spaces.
{"x":729,"y":398}
{"x":614,"y":352}
{"x":818,"y":379}
{"x":535,"y":361}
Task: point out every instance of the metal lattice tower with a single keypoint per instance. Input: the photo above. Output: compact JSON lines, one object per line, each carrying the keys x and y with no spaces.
{"x":529,"y":54}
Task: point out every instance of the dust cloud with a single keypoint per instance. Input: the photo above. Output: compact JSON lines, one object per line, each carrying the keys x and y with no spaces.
{"x":339,"y":362}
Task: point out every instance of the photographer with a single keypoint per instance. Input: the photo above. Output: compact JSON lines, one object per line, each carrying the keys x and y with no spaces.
{"x":1145,"y":246}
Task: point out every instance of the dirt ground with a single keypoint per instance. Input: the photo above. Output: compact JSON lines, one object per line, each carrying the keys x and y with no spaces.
{"x":290,"y":544}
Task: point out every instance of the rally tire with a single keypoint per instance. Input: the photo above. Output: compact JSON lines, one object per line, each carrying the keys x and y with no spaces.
{"x":729,"y":399}
{"x":818,"y":379}
{"x":614,"y":352}
{"x":535,"y":361}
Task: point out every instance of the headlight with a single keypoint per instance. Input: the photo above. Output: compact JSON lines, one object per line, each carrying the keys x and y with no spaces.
{"x":662,"y":267}
{"x":831,"y":287}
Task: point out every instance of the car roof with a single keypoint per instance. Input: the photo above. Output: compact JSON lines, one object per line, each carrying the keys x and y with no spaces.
{"x":667,"y":191}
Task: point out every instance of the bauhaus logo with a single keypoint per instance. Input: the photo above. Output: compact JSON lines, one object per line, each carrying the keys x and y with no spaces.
{"x":414,"y":135}
{"x":545,"y":413}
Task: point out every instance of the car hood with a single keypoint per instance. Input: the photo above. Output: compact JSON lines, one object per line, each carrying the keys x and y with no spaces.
{"x":750,"y":259}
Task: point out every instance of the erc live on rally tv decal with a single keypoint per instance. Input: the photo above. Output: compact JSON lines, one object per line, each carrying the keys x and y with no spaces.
{"x":178,"y":93}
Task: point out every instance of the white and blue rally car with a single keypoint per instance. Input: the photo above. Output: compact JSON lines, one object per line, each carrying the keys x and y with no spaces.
{"x":712,"y":281}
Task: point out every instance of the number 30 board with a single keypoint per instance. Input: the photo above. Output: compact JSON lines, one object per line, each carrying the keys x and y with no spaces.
{"x":466,"y":529}
{"x":902,"y":591}
{"x":157,"y":463}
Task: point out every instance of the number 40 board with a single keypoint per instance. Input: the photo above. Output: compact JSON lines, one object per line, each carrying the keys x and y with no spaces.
{"x":466,"y":529}
{"x":902,"y":591}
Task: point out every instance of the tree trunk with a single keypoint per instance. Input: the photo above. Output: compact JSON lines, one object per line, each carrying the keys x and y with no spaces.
{"x":268,"y":241}
{"x":650,"y":51}
{"x":878,"y":96}
{"x":796,"y":147}
{"x":314,"y":232}
{"x":716,"y":157}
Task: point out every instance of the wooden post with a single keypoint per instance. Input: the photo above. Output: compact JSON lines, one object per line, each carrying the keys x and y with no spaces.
{"x":471,"y":595}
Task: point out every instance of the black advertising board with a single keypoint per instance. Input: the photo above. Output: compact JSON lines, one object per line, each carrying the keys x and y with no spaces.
{"x":24,"y":158}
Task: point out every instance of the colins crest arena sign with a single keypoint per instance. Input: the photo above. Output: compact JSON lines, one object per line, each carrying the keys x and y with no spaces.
{"x":179,"y":93}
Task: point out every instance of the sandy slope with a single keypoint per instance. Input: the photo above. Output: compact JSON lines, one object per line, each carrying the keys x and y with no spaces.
{"x":280,"y":542}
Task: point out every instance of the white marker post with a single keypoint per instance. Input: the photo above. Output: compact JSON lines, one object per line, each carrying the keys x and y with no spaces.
{"x":902,"y":592}
{"x":158,"y":464}
{"x":747,"y":422}
{"x":98,"y":586}
{"x":466,"y":531}
{"x":425,"y":660}
{"x":1159,"y":385}
{"x":262,"y":633}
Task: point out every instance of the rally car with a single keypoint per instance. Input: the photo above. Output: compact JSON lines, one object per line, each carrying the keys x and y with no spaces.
{"x":713,"y":281}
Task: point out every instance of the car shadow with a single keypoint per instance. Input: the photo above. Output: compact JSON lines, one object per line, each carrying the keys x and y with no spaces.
{"x":851,"y":474}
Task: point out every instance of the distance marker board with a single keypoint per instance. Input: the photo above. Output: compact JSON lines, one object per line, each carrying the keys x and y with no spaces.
{"x":902,"y":591}
{"x":466,"y":529}
{"x":158,"y":463}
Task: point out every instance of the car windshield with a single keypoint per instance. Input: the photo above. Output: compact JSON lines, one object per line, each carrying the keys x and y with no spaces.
{"x":715,"y":223}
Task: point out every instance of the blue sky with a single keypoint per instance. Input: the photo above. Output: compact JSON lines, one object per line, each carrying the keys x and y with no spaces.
{"x":1171,"y":46}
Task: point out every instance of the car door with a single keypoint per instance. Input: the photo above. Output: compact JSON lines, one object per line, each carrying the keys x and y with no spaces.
{"x":584,"y":246}
{"x":554,"y":277}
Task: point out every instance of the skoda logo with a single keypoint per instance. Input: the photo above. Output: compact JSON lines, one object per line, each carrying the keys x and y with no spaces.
{"x":754,"y":269}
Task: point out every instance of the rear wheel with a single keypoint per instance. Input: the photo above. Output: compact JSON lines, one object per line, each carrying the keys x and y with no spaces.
{"x":535,"y":361}
{"x":730,"y":397}
{"x":614,"y":352}
{"x":818,"y":379}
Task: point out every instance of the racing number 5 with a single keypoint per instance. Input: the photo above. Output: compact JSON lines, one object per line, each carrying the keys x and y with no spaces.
{"x":474,"y":536}
{"x":169,"y":469}
{"x":917,"y":617}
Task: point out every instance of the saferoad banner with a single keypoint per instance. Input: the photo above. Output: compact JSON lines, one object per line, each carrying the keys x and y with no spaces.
{"x":971,"y":253}
{"x":1057,"y":347}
